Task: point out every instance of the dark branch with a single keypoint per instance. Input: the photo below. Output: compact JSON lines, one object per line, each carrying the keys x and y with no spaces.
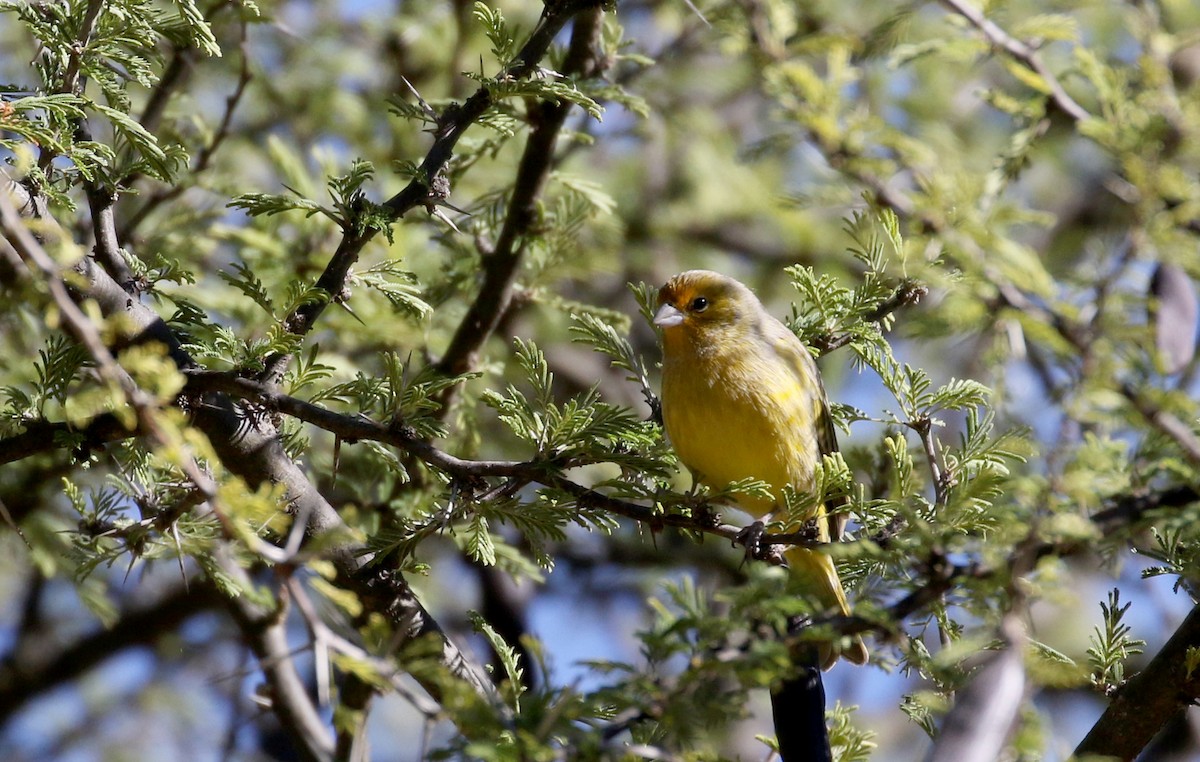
{"x":1150,"y":699}
{"x":32,"y":668}
{"x":43,"y":436}
{"x":907,"y":293}
{"x":500,"y":265}
{"x":249,"y":447}
{"x":352,"y":428}
{"x":107,"y":251}
{"x":451,"y":124}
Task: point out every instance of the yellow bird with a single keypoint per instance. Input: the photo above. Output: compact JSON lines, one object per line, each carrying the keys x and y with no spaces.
{"x":742,"y":397}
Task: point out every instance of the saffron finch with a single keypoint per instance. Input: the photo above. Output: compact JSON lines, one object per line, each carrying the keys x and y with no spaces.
{"x":742,"y":397}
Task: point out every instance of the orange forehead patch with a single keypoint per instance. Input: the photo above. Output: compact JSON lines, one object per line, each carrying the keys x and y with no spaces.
{"x":679,"y":290}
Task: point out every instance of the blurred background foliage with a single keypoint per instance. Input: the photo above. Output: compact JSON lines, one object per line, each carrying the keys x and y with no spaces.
{"x":1007,"y":193}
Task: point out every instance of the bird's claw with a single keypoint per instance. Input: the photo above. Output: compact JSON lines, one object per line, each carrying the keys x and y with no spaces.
{"x":751,"y":539}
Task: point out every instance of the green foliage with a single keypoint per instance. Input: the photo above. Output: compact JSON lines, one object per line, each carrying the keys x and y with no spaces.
{"x":508,"y":661}
{"x":398,"y":286}
{"x":963,"y":214}
{"x":119,"y":48}
{"x":1112,"y":646}
{"x":850,"y":744}
{"x":504,"y":43}
{"x":397,"y":395}
{"x":550,"y":86}
{"x":57,"y":368}
{"x":350,"y":210}
{"x":557,"y":90}
{"x":583,"y":430}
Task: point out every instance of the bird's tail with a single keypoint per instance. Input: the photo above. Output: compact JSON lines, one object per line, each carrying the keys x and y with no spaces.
{"x":798,"y":708}
{"x":815,"y":573}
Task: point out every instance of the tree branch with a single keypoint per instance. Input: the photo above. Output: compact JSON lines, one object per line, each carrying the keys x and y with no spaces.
{"x":1120,"y":512}
{"x":267,"y":637}
{"x":266,"y":632}
{"x":32,"y":668}
{"x":451,"y":124}
{"x":249,"y":447}
{"x":1150,"y":699}
{"x":101,"y":202}
{"x":1165,"y":422}
{"x":352,"y":428}
{"x":43,"y":436}
{"x":1021,"y":52}
{"x":500,"y":265}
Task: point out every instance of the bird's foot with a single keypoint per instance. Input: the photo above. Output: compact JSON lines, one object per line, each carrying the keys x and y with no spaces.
{"x":750,"y":538}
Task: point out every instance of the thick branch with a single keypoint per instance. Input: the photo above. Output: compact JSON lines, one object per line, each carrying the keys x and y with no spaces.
{"x":107,"y":252}
{"x":43,"y":436}
{"x":1150,"y":699}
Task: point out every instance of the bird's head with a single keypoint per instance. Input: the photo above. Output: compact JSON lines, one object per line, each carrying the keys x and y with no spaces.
{"x":700,"y":301}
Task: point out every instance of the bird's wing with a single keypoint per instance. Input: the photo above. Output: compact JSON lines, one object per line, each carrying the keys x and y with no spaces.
{"x":801,"y":360}
{"x":835,"y":507}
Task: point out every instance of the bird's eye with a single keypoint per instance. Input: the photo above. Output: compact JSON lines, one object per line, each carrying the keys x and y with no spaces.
{"x":699,"y":304}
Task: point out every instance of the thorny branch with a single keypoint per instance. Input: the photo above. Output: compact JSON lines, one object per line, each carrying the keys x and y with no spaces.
{"x":1121,"y":512}
{"x":1160,"y":692}
{"x":224,"y":419}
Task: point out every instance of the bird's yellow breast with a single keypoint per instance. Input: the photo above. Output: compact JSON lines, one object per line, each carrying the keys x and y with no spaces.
{"x":734,"y":412}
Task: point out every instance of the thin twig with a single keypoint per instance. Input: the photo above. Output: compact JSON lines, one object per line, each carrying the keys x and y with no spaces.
{"x":907,"y":293}
{"x":1023,"y":53}
{"x":207,"y":152}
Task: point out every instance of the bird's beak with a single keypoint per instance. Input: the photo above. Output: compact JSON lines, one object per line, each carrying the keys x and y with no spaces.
{"x":668,"y":316}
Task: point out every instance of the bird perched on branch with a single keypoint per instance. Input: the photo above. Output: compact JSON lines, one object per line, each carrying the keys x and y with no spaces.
{"x":742,"y":398}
